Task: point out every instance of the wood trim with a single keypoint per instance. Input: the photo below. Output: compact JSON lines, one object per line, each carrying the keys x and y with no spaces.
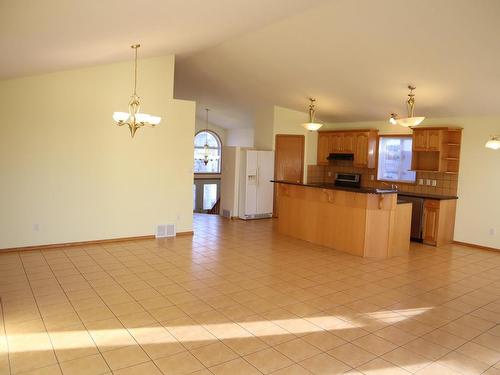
{"x":92,"y":242}
{"x":349,"y":131}
{"x":474,"y":246}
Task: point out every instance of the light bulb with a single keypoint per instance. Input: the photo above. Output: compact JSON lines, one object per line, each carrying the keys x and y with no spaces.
{"x":154,"y":120}
{"x":493,"y":143}
{"x":120,"y":116}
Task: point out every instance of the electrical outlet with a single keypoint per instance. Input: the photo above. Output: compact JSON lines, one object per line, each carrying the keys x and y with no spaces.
{"x":420,"y":181}
{"x":178,"y":217}
{"x":372,"y":177}
{"x":434,"y":183}
{"x":36,"y":227}
{"x":493,"y":232}
{"x":428,"y":182}
{"x":329,"y":174}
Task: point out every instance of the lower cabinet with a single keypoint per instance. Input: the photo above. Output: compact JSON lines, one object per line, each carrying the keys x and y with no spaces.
{"x":438,"y":221}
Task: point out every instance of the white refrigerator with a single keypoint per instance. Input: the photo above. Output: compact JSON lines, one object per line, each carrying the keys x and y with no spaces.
{"x":256,"y":188}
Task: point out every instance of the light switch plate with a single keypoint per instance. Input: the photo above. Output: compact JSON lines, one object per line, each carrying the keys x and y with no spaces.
{"x":428,"y":182}
{"x":420,"y":181}
{"x":434,"y":183}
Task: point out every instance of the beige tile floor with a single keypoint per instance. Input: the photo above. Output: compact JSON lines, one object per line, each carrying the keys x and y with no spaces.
{"x":238,"y":298}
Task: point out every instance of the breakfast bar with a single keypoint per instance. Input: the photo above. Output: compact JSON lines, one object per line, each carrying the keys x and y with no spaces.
{"x":363,"y":222}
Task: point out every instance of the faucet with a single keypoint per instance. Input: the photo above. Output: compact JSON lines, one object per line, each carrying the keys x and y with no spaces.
{"x":393,"y":186}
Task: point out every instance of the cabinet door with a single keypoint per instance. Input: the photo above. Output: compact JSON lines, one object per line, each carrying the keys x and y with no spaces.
{"x":323,"y":150}
{"x":348,"y":142}
{"x":434,"y":140}
{"x":335,"y":142}
{"x":420,"y":140}
{"x":361,"y":150}
{"x":431,"y":222}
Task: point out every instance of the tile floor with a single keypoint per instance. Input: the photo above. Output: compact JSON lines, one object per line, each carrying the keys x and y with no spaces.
{"x":238,"y":298}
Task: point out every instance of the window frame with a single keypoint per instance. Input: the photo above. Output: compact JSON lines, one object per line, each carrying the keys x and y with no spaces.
{"x":219,"y":141}
{"x":408,"y":135}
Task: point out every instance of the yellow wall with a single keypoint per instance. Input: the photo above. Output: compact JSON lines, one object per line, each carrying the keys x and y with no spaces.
{"x":478,"y":180}
{"x":67,"y":168}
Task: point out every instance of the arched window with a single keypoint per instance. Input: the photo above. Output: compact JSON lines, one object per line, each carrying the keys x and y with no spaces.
{"x":207,"y":152}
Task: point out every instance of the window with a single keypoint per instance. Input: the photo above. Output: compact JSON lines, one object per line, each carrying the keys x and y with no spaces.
{"x":214,"y":152}
{"x":394,"y":159}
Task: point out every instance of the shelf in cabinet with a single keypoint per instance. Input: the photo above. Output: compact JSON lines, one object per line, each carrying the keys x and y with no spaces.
{"x":451,"y":158}
{"x":450,"y":172}
{"x":454,"y":144}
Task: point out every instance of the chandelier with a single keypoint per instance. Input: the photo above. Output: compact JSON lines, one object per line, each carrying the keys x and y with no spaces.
{"x":133,"y":118}
{"x":493,"y":142}
{"x":207,"y":156}
{"x":411,"y":120}
{"x":311,"y":125}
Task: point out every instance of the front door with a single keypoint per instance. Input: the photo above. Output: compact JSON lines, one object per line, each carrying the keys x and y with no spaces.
{"x":206,"y":192}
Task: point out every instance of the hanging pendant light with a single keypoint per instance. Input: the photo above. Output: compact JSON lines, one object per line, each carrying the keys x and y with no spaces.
{"x":411,"y":120}
{"x":206,"y":154}
{"x":312,"y":125}
{"x":134,"y":119}
{"x":493,"y":143}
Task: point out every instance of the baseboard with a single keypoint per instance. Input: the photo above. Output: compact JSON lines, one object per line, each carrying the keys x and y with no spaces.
{"x":92,"y":242}
{"x":476,"y":246}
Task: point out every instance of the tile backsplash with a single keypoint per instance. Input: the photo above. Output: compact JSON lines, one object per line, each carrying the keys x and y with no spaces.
{"x":446,"y":184}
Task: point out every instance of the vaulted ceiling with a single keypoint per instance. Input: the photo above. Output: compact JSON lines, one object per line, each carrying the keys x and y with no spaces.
{"x":356,"y":57}
{"x":50,"y":35}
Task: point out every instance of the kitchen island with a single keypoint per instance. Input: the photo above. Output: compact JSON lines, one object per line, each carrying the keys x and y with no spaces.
{"x":358,"y":221}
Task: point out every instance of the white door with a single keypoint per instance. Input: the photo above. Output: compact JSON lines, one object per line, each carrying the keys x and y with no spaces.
{"x":251,"y":183}
{"x":265,"y":188}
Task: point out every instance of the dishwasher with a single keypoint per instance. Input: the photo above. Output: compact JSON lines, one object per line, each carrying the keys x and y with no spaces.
{"x":417,"y":213}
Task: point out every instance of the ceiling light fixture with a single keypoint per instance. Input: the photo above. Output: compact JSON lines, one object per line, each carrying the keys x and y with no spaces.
{"x":208,"y":156}
{"x":134,"y":119}
{"x":311,"y":125}
{"x":493,"y":142}
{"x":393,"y":118}
{"x":411,"y":120}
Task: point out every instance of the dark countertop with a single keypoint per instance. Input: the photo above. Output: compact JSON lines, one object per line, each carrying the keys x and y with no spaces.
{"x":426,"y":196}
{"x":370,"y":190}
{"x":333,"y":187}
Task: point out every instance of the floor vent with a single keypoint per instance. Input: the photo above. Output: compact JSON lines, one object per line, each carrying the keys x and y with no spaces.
{"x":226,"y":214}
{"x":165,"y":230}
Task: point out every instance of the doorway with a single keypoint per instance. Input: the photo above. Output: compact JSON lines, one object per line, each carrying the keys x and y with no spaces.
{"x":288,"y":161}
{"x":206,"y":195}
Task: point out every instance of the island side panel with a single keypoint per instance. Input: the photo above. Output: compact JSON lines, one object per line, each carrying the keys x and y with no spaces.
{"x":331,"y":218}
{"x":380,"y":219}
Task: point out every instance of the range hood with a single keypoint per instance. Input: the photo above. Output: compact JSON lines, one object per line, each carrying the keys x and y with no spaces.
{"x":340,"y":157}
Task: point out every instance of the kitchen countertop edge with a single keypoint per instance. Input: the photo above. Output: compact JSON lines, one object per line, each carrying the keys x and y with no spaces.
{"x":369,"y":190}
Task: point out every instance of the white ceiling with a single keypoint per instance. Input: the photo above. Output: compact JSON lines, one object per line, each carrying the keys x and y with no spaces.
{"x":356,"y":57}
{"x":39,"y":36}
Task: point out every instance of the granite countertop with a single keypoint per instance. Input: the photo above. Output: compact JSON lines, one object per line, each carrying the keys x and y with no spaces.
{"x":426,"y":196}
{"x":343,"y":188}
{"x":370,"y":190}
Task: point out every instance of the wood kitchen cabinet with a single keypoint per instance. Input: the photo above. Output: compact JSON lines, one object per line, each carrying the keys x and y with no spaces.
{"x":427,"y":139}
{"x":362,"y":150}
{"x":335,"y":143}
{"x":323,"y":150}
{"x":436,"y":149}
{"x":438,"y":221}
{"x":348,"y":142}
{"x":361,"y":143}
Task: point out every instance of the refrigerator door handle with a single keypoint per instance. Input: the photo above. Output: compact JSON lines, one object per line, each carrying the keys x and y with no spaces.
{"x":257,"y":176}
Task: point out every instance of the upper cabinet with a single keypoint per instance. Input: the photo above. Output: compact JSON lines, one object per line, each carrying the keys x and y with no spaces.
{"x":436,"y":149}
{"x":361,"y":143}
{"x":427,"y":139}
